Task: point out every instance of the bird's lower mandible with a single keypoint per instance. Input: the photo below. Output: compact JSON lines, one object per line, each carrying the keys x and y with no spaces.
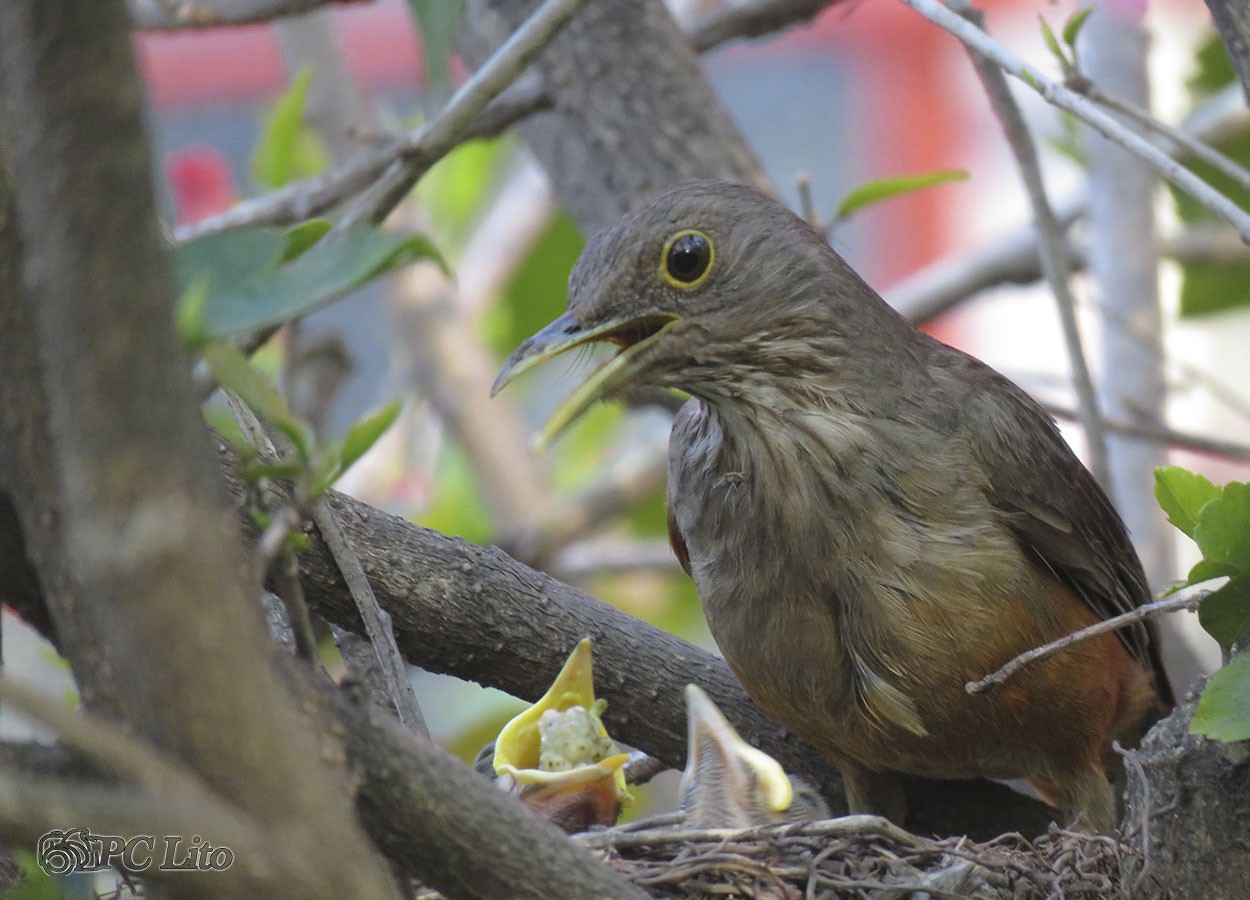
{"x":872,"y":518}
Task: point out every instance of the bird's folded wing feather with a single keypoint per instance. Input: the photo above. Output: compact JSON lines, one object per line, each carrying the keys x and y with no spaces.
{"x":1048,"y":499}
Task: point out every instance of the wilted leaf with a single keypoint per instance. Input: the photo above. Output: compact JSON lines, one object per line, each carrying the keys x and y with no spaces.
{"x":1226,"y":613}
{"x":1181,"y":494}
{"x":886,"y":188}
{"x":1223,"y":711}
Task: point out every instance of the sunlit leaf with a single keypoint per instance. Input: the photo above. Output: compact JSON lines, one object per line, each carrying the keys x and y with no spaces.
{"x":1226,"y":614}
{"x":288,"y":148}
{"x":455,"y":190}
{"x":303,"y":236}
{"x":1052,"y":42}
{"x":1223,"y":711}
{"x":1206,"y":569}
{"x":536,"y":293}
{"x":365,"y":433}
{"x":1223,"y":529}
{"x":456,"y":507}
{"x":886,"y":188}
{"x":235,"y":373}
{"x":1181,"y":494}
{"x":1072,"y":28}
{"x":189,"y":315}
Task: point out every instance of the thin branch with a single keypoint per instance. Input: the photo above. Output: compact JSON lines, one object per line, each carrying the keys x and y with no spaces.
{"x":175,"y":14}
{"x":1162,"y":434}
{"x":313,"y":196}
{"x":1087,"y":112}
{"x":844,"y":826}
{"x":377,"y":621}
{"x":1188,"y":599}
{"x":447,"y":128}
{"x":1051,"y":244}
{"x":953,"y":280}
{"x":1191,"y":145}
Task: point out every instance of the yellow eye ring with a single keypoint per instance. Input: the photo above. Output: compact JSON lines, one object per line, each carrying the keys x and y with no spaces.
{"x":686,"y":259}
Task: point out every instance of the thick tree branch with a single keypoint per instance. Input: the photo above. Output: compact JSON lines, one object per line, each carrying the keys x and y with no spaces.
{"x":477,"y":614}
{"x":131,"y":479}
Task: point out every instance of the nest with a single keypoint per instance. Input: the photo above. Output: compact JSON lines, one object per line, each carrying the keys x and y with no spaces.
{"x":868,"y":857}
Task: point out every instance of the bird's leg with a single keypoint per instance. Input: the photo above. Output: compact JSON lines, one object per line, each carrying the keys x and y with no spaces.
{"x":877,"y":793}
{"x":1085,"y":798}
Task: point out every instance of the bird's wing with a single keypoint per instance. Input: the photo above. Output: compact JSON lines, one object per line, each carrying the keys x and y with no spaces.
{"x":676,"y":541}
{"x":1049,"y":500}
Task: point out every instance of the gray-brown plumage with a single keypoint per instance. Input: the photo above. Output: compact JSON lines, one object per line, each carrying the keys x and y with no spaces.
{"x":872,"y":518}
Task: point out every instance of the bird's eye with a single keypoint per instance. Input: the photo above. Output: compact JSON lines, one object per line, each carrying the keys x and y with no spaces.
{"x":687,"y":259}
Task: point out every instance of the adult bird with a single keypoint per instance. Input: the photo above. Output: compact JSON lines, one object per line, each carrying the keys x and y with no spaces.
{"x":872,"y":518}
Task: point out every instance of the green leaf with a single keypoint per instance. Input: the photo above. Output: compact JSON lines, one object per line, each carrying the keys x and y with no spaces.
{"x":1226,"y":613}
{"x":439,"y":22}
{"x":327,"y":468}
{"x":288,"y":148}
{"x":1223,"y":529}
{"x":1052,"y":42}
{"x":456,"y":189}
{"x":536,"y":293}
{"x":365,"y":433}
{"x":1181,"y":494}
{"x":1223,"y":711}
{"x":189,"y":315}
{"x":226,"y":260}
{"x":1075,"y":23}
{"x":251,"y":288}
{"x":1206,"y":569}
{"x":219,"y":417}
{"x":885,"y":188}
{"x":235,"y":372}
{"x":303,"y":236}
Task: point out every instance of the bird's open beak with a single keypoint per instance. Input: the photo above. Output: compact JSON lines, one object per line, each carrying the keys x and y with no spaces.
{"x":719,"y":760}
{"x":557,"y":755}
{"x":633,"y":335}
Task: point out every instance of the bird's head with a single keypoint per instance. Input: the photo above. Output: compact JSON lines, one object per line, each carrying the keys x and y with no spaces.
{"x":703,"y":287}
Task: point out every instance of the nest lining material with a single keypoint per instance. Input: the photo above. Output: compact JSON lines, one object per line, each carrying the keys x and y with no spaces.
{"x":868,"y":857}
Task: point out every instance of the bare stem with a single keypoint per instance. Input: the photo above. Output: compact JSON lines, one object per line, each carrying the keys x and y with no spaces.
{"x":1185,"y":600}
{"x":1086,"y":111}
{"x":1051,"y":243}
